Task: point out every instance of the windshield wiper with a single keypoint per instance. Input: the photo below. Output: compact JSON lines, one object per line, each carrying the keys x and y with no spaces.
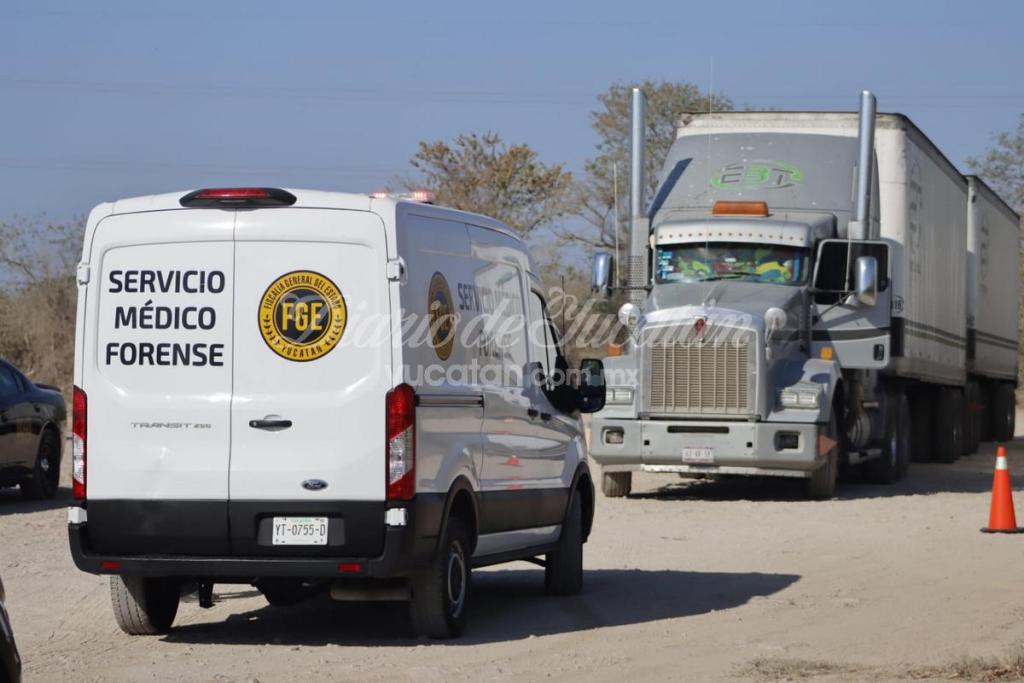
{"x":726,"y":276}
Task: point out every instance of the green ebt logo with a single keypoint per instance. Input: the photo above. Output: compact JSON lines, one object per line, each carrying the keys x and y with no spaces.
{"x":760,"y":173}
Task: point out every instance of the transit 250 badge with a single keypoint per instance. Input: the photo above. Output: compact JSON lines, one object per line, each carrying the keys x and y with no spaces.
{"x":441,"y":314}
{"x":302,"y":315}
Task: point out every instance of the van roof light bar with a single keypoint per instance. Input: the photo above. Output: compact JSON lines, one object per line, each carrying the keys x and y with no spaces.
{"x":235,"y":197}
{"x":422,"y":196}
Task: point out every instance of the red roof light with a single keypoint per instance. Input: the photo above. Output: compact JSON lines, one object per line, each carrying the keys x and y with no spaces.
{"x":234,"y":197}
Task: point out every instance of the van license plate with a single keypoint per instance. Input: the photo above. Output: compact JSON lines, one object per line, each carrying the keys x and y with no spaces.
{"x":300,"y":531}
{"x":698,"y":455}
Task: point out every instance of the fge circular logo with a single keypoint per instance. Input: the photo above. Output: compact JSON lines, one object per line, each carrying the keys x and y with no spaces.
{"x":761,"y":173}
{"x":302,"y":315}
{"x":441,"y":314}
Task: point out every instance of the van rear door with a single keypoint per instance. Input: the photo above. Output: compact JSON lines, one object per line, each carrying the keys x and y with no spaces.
{"x":157,"y":372}
{"x":312,"y":366}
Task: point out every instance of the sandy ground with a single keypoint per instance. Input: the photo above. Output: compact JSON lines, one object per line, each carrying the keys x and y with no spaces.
{"x":684,"y":580}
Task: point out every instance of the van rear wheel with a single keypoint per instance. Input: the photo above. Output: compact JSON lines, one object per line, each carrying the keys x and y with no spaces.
{"x":144,"y":606}
{"x":440,"y":591}
{"x":563,"y":568}
{"x":616,"y":484}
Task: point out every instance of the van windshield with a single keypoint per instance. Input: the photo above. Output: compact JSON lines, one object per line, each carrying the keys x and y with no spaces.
{"x":703,"y":261}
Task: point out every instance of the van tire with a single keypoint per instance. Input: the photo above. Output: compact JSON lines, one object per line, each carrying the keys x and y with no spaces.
{"x":432,"y":609}
{"x":822,"y":483}
{"x":563,"y":568}
{"x":616,"y":484}
{"x":1004,"y":408}
{"x":949,"y":425}
{"x":45,"y":478}
{"x":144,"y":606}
{"x":895,"y":449}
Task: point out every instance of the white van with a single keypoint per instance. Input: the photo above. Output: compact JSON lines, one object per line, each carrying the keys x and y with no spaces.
{"x":315,"y":391}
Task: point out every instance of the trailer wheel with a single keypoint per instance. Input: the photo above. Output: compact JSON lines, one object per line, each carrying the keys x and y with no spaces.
{"x":1004,"y":409}
{"x":144,"y":606}
{"x":986,"y":392}
{"x":921,"y":426}
{"x":972,"y":418}
{"x":949,"y":425}
{"x":896,"y":449}
{"x":822,"y":483}
{"x":616,"y":484}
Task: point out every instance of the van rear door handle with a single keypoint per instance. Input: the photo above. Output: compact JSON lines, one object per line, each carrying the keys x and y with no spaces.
{"x":268,"y":423}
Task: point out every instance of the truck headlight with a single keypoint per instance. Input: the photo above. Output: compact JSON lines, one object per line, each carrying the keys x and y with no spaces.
{"x":620,"y":396}
{"x":800,"y":398}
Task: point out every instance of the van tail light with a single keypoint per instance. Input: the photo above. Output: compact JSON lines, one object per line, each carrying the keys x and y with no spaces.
{"x":233,"y":197}
{"x":401,"y":442}
{"x":79,"y":438}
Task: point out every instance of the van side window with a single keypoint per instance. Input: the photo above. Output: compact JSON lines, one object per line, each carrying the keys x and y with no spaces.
{"x":544,"y":348}
{"x":498,"y":289}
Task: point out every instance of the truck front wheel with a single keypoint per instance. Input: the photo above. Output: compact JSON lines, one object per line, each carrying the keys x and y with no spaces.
{"x":144,"y":606}
{"x":822,"y":483}
{"x":616,"y":484}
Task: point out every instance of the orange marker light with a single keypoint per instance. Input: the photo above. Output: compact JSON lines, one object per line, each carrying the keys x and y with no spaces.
{"x":729,"y":208}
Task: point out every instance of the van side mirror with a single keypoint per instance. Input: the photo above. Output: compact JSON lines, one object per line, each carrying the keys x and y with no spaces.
{"x":601,"y":274}
{"x":592,"y":388}
{"x":867,"y":280}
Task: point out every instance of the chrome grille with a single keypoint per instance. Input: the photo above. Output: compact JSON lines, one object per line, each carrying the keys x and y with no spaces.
{"x":701,"y":377}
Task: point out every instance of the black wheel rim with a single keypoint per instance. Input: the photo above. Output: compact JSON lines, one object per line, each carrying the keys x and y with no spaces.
{"x":455,"y":583}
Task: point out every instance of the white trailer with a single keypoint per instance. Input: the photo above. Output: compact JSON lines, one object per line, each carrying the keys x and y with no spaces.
{"x":993,"y":293}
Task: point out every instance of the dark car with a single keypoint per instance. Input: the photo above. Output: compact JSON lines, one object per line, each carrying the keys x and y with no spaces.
{"x":31,"y":423}
{"x":10,"y":662}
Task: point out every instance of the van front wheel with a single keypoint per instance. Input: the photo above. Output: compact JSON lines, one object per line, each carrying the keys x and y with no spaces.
{"x":144,"y":606}
{"x":440,"y":591}
{"x":563,"y":568}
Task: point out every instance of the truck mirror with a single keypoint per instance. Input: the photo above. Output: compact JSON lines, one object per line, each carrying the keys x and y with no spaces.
{"x":867,"y":280}
{"x":592,"y":388}
{"x":601,"y":273}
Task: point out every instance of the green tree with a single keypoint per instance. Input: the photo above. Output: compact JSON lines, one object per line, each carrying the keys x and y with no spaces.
{"x":1002,"y":167}
{"x":667,"y":102}
{"x":509,"y":182}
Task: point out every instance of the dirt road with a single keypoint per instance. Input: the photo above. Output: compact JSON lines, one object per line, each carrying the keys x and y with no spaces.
{"x":694,"y":580}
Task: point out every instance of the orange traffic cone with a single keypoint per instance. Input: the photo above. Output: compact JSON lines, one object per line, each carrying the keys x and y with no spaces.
{"x":1001,"y":519}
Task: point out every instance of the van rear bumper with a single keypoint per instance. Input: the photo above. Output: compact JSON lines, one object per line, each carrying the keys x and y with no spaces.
{"x":405,"y":549}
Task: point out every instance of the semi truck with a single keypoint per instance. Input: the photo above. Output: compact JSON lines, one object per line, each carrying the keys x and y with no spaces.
{"x":808,"y":293}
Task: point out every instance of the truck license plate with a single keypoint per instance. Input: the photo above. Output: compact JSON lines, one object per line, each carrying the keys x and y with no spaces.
{"x":300,"y":531}
{"x":698,"y":455}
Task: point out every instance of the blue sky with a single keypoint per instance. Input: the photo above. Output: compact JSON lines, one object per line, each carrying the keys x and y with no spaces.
{"x":111,"y":99}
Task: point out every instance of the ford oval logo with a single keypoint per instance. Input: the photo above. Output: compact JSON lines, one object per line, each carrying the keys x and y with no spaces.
{"x":314,"y":484}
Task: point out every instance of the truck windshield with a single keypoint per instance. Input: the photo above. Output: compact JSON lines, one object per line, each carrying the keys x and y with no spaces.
{"x":703,"y":261}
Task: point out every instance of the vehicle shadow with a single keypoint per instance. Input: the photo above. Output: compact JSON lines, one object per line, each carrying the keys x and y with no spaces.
{"x":922,"y":480}
{"x":12,"y":502}
{"x":507,"y":605}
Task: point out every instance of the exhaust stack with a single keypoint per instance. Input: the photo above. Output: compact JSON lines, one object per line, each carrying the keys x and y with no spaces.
{"x":860,"y":227}
{"x":638,"y":230}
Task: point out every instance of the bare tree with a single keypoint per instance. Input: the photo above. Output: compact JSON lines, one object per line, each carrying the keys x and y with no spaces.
{"x":666,"y":103}
{"x":38,"y":296}
{"x":508,"y":182}
{"x":1002,"y":167}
